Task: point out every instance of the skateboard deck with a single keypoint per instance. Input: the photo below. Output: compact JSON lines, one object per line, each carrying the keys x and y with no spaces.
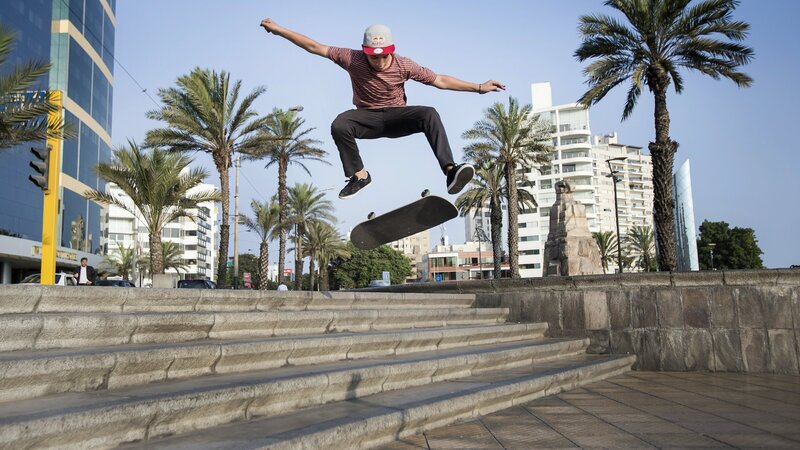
{"x":425,"y":213}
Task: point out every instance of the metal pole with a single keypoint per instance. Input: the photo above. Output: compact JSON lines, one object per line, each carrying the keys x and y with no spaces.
{"x":480,"y":264}
{"x":616,"y":213}
{"x":236,"y":225}
{"x":50,"y":210}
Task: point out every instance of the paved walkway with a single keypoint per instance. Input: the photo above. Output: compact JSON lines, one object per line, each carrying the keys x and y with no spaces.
{"x":640,"y":410}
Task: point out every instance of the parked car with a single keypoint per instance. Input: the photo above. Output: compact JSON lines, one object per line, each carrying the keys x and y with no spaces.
{"x":196,"y":284}
{"x":115,"y":283}
{"x":62,"y":279}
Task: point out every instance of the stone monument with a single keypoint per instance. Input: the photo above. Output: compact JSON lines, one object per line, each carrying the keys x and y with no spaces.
{"x":570,"y":247}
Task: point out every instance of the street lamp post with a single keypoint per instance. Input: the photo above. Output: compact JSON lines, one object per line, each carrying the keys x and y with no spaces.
{"x":614,"y":179}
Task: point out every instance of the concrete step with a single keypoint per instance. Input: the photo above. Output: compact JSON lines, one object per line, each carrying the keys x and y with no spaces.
{"x":25,"y":375}
{"x":62,"y":330}
{"x":384,"y":417}
{"x":105,"y":419}
{"x":53,"y":299}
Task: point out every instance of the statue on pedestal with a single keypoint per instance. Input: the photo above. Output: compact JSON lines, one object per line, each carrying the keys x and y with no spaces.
{"x":570,"y":247}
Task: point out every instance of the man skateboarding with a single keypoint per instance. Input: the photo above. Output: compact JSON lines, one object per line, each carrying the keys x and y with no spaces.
{"x":377,"y":76}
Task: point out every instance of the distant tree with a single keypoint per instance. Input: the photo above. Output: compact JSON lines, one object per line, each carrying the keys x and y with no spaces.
{"x":265,"y":225}
{"x":734,"y":248}
{"x":282,"y":141}
{"x":248,"y":263}
{"x":607,"y":243}
{"x":655,"y":41}
{"x":171,"y":257}
{"x":204,"y":113}
{"x":321,"y":243}
{"x":512,"y":138}
{"x":641,"y":247}
{"x":157,"y":190}
{"x":307,"y":204}
{"x":121,"y":259}
{"x":364,"y":266}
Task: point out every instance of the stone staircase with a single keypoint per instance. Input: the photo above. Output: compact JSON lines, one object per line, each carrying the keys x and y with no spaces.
{"x":106,"y":367}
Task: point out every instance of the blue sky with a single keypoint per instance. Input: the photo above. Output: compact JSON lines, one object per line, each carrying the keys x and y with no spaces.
{"x":739,"y":140}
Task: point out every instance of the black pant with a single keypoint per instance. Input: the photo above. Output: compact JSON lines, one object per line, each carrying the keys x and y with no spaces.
{"x":391,"y":123}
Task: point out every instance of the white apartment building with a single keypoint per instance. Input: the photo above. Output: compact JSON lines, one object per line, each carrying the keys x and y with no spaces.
{"x":581,"y":161}
{"x":196,"y":236}
{"x":415,"y":247}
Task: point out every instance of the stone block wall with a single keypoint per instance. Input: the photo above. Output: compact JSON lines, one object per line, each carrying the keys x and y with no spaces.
{"x":734,"y":321}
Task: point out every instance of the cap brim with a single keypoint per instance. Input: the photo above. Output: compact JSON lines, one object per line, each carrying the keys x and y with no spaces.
{"x":378,"y":50}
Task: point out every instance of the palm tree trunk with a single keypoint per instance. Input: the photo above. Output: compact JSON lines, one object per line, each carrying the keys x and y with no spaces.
{"x":311,"y":278}
{"x":496,"y":224}
{"x":513,"y":213}
{"x":298,"y":257}
{"x":223,"y":163}
{"x":324,"y":284}
{"x":663,"y":155}
{"x":156,"y":254}
{"x":263,"y":266}
{"x":283,"y":205}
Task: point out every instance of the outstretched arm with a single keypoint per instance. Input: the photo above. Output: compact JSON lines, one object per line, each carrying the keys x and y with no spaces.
{"x":304,"y":42}
{"x":454,"y":84}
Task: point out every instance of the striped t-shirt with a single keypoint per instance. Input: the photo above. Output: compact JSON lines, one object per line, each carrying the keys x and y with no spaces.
{"x":373,"y":89}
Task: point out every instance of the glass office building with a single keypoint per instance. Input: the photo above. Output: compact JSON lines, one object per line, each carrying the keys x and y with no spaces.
{"x":685,"y":237}
{"x":77,"y":38}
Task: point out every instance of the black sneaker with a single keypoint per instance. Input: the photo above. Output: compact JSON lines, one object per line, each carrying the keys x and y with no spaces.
{"x":458,"y":177}
{"x":354,"y":185}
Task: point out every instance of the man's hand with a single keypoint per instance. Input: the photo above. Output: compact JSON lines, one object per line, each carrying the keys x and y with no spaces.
{"x":490,"y":86}
{"x":269,"y":25}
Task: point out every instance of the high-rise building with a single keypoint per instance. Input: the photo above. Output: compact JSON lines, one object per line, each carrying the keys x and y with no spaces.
{"x":77,"y":38}
{"x":685,"y":237}
{"x":581,"y":160}
{"x":196,"y":236}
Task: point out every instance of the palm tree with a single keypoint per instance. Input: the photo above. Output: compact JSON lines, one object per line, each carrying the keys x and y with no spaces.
{"x":157,"y":189}
{"x":607,"y":243}
{"x":640,"y":242}
{"x":307,"y":205}
{"x":202,"y":115}
{"x":487,"y":187}
{"x":172,"y":257}
{"x":321,"y":244}
{"x":122,"y":260}
{"x":283,"y":142}
{"x":512,"y":138}
{"x":661,"y":37}
{"x":23,"y":112}
{"x":265,"y":225}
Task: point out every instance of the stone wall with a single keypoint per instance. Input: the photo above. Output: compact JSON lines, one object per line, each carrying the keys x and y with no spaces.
{"x":734,"y":321}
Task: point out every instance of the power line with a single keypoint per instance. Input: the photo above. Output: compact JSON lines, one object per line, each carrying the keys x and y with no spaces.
{"x":100,"y":40}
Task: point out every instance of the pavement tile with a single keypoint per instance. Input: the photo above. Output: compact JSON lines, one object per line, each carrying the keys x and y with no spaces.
{"x":652,"y":427}
{"x":719,"y":427}
{"x":643,"y":410}
{"x":409,"y":443}
{"x":528,"y":435}
{"x":678,"y":441}
{"x":755,"y":440}
{"x":635,"y":417}
{"x":472,"y":435}
{"x":610,"y":441}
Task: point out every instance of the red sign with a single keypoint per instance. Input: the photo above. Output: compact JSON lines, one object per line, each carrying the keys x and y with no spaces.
{"x":246,"y":276}
{"x":287,"y":271}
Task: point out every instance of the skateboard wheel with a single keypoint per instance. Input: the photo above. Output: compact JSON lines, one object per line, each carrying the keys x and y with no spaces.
{"x":425,"y":193}
{"x":370,"y":215}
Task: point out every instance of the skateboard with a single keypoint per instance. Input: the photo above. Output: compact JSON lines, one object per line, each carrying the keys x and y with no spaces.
{"x":425,"y":213}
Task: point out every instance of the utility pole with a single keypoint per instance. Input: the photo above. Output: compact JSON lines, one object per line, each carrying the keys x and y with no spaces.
{"x":238,"y":164}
